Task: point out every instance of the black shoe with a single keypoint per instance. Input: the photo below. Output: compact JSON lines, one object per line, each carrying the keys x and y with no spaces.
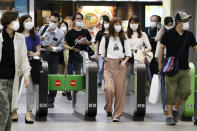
{"x":109,"y":115}
{"x":15,"y":120}
{"x":50,"y":105}
{"x":115,"y":120}
{"x":175,"y":115}
{"x":68,"y":96}
{"x":195,"y":122}
{"x":28,"y":122}
{"x":99,"y":85}
{"x":170,"y":121}
{"x":63,"y":93}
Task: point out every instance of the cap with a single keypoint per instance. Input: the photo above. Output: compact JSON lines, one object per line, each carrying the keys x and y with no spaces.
{"x":182,"y":16}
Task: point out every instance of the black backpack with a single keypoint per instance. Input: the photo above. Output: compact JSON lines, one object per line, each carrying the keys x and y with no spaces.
{"x":107,"y":43}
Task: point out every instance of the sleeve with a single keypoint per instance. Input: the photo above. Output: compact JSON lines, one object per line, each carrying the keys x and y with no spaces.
{"x":88,"y":36}
{"x":102,"y":46}
{"x":193,"y":40}
{"x":127,"y":49}
{"x":164,"y":39}
{"x":146,"y":40}
{"x":38,"y":41}
{"x":60,"y":45}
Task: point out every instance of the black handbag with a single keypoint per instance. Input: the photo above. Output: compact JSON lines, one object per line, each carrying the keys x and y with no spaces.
{"x":36,"y":68}
{"x":172,"y":63}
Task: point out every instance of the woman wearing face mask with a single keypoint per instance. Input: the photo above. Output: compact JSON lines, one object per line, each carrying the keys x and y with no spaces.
{"x":33,"y":44}
{"x":99,"y":35}
{"x":13,"y":62}
{"x":117,"y":54}
{"x":136,"y":38}
{"x":63,"y":61}
{"x":168,"y":24}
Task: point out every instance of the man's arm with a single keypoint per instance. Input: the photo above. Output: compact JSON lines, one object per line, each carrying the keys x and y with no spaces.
{"x":160,"y":56}
{"x":195,"y":48}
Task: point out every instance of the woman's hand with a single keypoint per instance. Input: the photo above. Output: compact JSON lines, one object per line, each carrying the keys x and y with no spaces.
{"x":26,"y":81}
{"x":31,"y":53}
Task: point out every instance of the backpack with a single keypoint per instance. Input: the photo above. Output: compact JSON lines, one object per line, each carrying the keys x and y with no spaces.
{"x":107,"y":43}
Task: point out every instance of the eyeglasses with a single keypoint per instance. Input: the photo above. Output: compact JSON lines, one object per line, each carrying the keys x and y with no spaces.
{"x":184,"y":21}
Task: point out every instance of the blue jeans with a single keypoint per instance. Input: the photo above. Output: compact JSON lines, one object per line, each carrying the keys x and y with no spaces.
{"x":100,"y":69}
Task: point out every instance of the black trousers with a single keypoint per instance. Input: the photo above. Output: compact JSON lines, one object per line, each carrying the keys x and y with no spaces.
{"x":52,"y":60}
{"x":154,"y":66}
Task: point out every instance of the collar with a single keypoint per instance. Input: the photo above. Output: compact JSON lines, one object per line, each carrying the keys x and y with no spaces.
{"x":55,"y":31}
{"x":6,"y":35}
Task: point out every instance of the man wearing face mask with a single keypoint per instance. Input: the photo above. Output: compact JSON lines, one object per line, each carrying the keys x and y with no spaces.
{"x":76,"y":37}
{"x":177,"y":42}
{"x":152,"y":32}
{"x":53,"y":42}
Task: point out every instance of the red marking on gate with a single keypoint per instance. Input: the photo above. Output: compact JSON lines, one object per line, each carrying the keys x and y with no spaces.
{"x":57,"y":83}
{"x":73,"y":83}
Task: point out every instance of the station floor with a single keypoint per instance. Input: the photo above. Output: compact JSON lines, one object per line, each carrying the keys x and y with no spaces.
{"x":62,"y":118}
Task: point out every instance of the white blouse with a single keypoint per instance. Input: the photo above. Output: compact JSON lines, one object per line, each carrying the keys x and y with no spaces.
{"x":135,"y":42}
{"x":114,"y":50}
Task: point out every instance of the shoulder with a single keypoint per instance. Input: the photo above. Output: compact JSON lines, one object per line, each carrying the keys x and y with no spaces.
{"x":85,"y":30}
{"x":144,"y":33}
{"x":70,"y":32}
{"x":19,"y":35}
{"x":60,"y":32}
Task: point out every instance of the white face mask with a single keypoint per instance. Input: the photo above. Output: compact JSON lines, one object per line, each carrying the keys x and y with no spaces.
{"x":79,"y":24}
{"x":117,"y":28}
{"x":29,"y":25}
{"x":134,"y":27}
{"x":153,"y":24}
{"x":186,"y":26}
{"x":52,"y":25}
{"x":14,"y":25}
{"x":64,"y":29}
{"x":168,"y":27}
{"x":1,"y":27}
{"x":106,"y":26}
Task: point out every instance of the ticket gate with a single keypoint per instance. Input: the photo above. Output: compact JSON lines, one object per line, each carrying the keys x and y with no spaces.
{"x":42,"y":95}
{"x":135,"y":106}
{"x":83,"y":87}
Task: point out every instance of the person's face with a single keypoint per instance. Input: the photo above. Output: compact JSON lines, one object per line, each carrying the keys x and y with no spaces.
{"x":54,"y":19}
{"x":27,"y":20}
{"x":153,"y":19}
{"x":78,"y":18}
{"x":181,"y":22}
{"x":117,"y":24}
{"x":62,"y":25}
{"x":169,"y":24}
{"x":132,"y":22}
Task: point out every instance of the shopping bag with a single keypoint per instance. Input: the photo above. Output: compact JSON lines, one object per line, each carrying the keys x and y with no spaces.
{"x":155,"y":90}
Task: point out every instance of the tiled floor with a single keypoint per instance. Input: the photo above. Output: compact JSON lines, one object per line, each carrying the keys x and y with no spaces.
{"x":61,"y":118}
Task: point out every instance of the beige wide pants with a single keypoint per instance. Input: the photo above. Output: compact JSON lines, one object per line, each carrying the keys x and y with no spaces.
{"x":115,"y":86}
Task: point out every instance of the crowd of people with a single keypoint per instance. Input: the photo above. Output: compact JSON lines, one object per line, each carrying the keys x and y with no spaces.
{"x":117,"y":51}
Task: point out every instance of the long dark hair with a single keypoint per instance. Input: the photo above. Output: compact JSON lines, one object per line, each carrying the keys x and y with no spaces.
{"x":134,"y":18}
{"x":21,"y":28}
{"x":112,"y":30}
{"x":105,"y":19}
